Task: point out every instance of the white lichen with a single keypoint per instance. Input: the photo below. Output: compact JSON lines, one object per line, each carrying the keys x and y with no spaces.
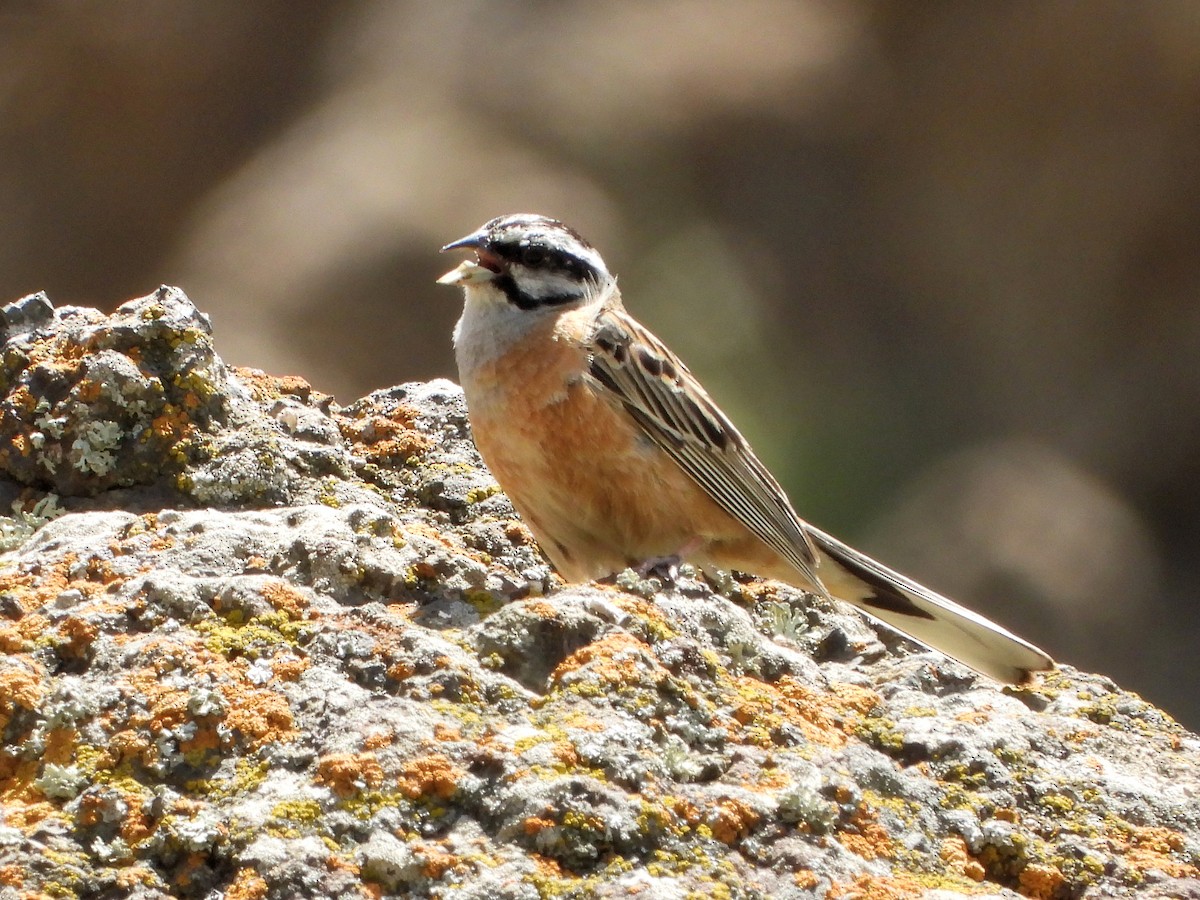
{"x":783,"y":620}
{"x":60,"y":782}
{"x":93,"y":448}
{"x":20,"y":526}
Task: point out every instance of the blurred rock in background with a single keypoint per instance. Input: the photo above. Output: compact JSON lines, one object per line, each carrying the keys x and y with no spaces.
{"x":940,"y":262}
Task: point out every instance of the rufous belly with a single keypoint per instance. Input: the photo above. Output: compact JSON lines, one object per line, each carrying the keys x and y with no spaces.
{"x":596,"y":492}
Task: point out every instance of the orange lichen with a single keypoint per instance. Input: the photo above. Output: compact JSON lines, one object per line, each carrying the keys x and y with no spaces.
{"x":91,"y":811}
{"x":136,"y":826}
{"x":871,"y":887}
{"x":20,"y":810}
{"x":957,"y":857}
{"x":88,"y":390}
{"x":289,"y":668}
{"x":21,"y":400}
{"x":402,"y":610}
{"x":389,"y":438}
{"x":566,"y":755}
{"x":12,"y":876}
{"x":436,"y":862}
{"x":35,"y":590}
{"x":205,"y":738}
{"x":684,"y":809}
{"x":269,"y":387}
{"x":400,"y":670}
{"x":99,"y":571}
{"x":136,"y":875}
{"x":22,"y":444}
{"x":261,"y":715}
{"x":60,"y":745}
{"x":20,"y":688}
{"x":346,"y":774}
{"x":160,"y":542}
{"x":336,"y":862}
{"x":1143,"y":849}
{"x":1040,"y":881}
{"x":543,"y":609}
{"x":17,"y":791}
{"x":79,"y":634}
{"x":166,"y":707}
{"x":59,"y":354}
{"x":762,"y":710}
{"x":617,"y":658}
{"x":852,"y":699}
{"x":430,"y":776}
{"x":534,"y":825}
{"x":868,"y":838}
{"x":95,"y":809}
{"x":172,"y":424}
{"x":247,"y":885}
{"x":518,"y":533}
{"x":125,"y":745}
{"x":424,"y":570}
{"x":285,"y":598}
{"x":296,"y":386}
{"x":767,"y":780}
{"x":758,"y":590}
{"x":444,"y":732}
{"x":806,"y":879}
{"x":731,"y":820}
{"x":257,"y":715}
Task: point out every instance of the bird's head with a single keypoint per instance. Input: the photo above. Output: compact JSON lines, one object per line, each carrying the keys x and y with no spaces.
{"x":529,"y":261}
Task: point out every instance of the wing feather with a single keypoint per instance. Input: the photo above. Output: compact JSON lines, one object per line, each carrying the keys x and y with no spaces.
{"x":676,"y":414}
{"x":674,"y":411}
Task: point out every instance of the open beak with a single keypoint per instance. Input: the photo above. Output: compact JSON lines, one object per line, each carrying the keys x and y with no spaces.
{"x":484,"y":267}
{"x":467,"y":272}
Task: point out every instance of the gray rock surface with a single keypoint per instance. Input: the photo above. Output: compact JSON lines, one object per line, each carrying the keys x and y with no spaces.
{"x":259,"y":646}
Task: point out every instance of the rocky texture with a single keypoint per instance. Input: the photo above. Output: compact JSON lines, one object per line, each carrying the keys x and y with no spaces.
{"x":979,"y":234}
{"x":257,"y":644}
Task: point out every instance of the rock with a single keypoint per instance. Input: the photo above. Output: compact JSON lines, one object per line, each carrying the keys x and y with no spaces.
{"x":262,"y":645}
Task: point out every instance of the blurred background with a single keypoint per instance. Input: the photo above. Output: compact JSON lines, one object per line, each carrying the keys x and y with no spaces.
{"x":940,"y":261}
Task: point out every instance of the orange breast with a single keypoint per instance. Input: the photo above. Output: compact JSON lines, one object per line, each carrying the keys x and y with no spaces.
{"x":596,"y":492}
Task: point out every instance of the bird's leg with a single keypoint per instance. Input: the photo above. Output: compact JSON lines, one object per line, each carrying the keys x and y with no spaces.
{"x":663,"y":568}
{"x":667,"y":567}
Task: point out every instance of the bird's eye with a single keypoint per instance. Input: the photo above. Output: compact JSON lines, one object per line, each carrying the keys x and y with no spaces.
{"x":533,"y":255}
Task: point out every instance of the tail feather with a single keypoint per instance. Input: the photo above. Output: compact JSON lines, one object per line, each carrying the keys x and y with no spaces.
{"x":925,"y":616}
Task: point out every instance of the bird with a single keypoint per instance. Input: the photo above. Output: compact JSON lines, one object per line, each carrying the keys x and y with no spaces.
{"x":615,"y":456}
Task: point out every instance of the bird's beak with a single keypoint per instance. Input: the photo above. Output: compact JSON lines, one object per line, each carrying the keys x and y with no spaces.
{"x":467,"y":272}
{"x":471,"y":271}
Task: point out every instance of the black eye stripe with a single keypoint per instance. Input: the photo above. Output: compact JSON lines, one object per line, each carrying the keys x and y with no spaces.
{"x":539,"y":262}
{"x":540,"y":256}
{"x":534,"y":255}
{"x":523,"y":301}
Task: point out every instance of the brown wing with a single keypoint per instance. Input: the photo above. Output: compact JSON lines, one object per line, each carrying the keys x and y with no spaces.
{"x":676,"y":414}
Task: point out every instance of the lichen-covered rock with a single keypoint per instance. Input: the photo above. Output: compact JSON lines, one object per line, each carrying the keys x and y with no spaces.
{"x":308,"y":651}
{"x":93,"y":402}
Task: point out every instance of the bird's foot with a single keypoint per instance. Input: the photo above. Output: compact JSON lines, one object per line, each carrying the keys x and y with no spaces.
{"x":646,"y":578}
{"x":664,"y":568}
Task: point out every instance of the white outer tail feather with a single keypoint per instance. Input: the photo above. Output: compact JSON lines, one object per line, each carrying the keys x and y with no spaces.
{"x":950,"y":629}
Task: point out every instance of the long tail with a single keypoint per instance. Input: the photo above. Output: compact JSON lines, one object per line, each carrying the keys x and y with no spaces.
{"x":928,"y":618}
